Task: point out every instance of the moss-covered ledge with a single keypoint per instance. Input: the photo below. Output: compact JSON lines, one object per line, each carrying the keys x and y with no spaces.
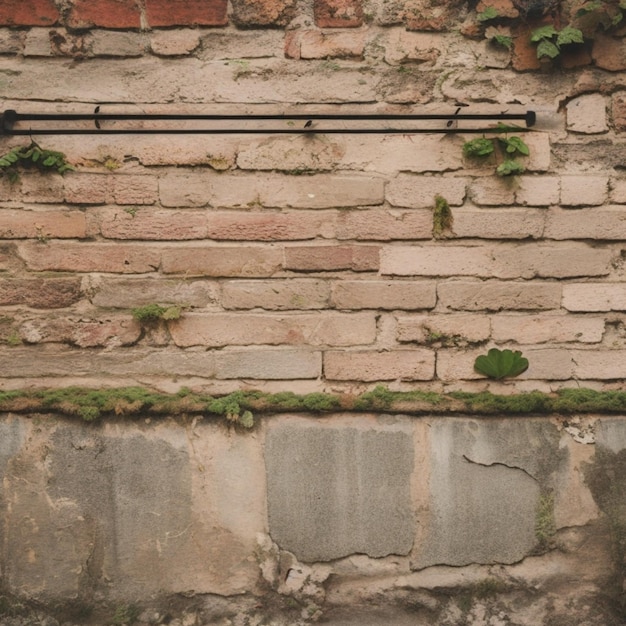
{"x":240,"y":407}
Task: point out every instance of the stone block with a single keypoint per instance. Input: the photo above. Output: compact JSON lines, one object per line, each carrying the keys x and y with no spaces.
{"x":104,"y":14}
{"x":228,"y":329}
{"x":84,"y":188}
{"x":402,"y":46}
{"x":329,"y":258}
{"x":594,"y":297}
{"x":378,"y":294}
{"x":419,"y":192}
{"x":587,"y":114}
{"x":507,"y":223}
{"x":42,"y":225}
{"x":11,"y":42}
{"x":584,"y":190}
{"x":371,"y":366}
{"x":617,"y":190}
{"x":338,"y":488}
{"x":443,"y":328}
{"x":254,"y":13}
{"x":171,"y":43}
{"x":496,"y":295}
{"x":187,"y":13}
{"x":268,"y":364}
{"x":338,"y":13}
{"x":278,"y":295}
{"x":598,"y":223}
{"x":384,"y":225}
{"x":492,"y":191}
{"x":46,"y":189}
{"x":28,"y":13}
{"x":429,"y":261}
{"x":599,"y":365}
{"x":537,"y":190}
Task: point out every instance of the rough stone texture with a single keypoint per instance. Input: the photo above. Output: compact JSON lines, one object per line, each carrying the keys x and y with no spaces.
{"x":379,"y":366}
{"x":338,"y":13}
{"x":325,"y":502}
{"x":587,"y":114}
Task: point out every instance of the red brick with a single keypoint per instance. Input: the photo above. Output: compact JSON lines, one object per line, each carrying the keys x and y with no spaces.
{"x":524,"y":51}
{"x":105,"y":14}
{"x":609,"y":53}
{"x":186,"y":12}
{"x":504,"y":8}
{"x":372,"y":366}
{"x":28,"y":13}
{"x":146,"y":224}
{"x":40,"y":293}
{"x":89,"y":257}
{"x":250,"y":13}
{"x":338,"y":13}
{"x":20,"y":224}
{"x":329,"y":258}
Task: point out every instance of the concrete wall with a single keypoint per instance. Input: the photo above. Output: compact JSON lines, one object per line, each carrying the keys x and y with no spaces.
{"x":436,"y":519}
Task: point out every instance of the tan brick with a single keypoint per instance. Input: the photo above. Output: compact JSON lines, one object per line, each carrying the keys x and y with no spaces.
{"x":37,"y":43}
{"x":454,"y":365}
{"x":11,"y":42}
{"x":425,"y":260}
{"x":328,"y":258}
{"x":492,"y":191}
{"x":537,"y":190}
{"x":132,"y":189}
{"x":84,"y":333}
{"x":229,"y":329}
{"x":371,"y":366}
{"x":43,"y":188}
{"x":378,"y":294}
{"x":117,"y":43}
{"x":127,"y":293}
{"x":40,"y":293}
{"x":584,"y":190}
{"x":268,"y":364}
{"x":29,"y":224}
{"x":495,"y":295}
{"x":402,"y":46}
{"x":177,"y":42}
{"x":279,"y":295}
{"x":597,"y":223}
{"x":617,"y":192}
{"x":82,"y":188}
{"x":540,"y":157}
{"x":599,"y":365}
{"x":222,"y":261}
{"x":444,"y":328}
{"x":544,"y":328}
{"x":150,"y":224}
{"x":594,"y":297}
{"x":498,"y":223}
{"x":380,"y":225}
{"x":266,"y":226}
{"x":587,"y":114}
{"x":193,"y":189}
{"x":315,"y":44}
{"x":418,"y":192}
{"x":89,"y":257}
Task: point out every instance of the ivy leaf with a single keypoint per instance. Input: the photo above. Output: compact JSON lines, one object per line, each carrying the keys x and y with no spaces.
{"x":503,"y":40}
{"x":480,"y":147}
{"x":515,"y":144}
{"x":547,"y":49}
{"x":570,"y":35}
{"x":617,"y":19}
{"x":510,"y":167}
{"x":588,"y":8}
{"x":545,"y":32}
{"x":500,"y":364}
{"x":490,"y":13}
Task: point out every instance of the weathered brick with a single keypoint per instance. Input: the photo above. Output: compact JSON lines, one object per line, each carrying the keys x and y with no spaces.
{"x":10,"y":41}
{"x":429,"y":15}
{"x":524,"y":55}
{"x":584,"y":190}
{"x":129,"y":189}
{"x":425,"y":260}
{"x":594,"y":297}
{"x":379,"y":225}
{"x":617,"y":192}
{"x":278,"y":295}
{"x":492,"y":191}
{"x":314,"y":44}
{"x":229,"y":329}
{"x":599,"y":365}
{"x":496,"y":295}
{"x":186,"y":12}
{"x":544,"y":328}
{"x":540,"y":157}
{"x":179,"y":42}
{"x":369,"y":365}
{"x":498,"y":223}
{"x":250,"y":13}
{"x":84,"y":188}
{"x":537,"y":190}
{"x":28,"y":13}
{"x":84,"y":333}
{"x":268,"y":364}
{"x":418,"y":192}
{"x":328,"y":258}
{"x":587,"y":114}
{"x":22,"y":224}
{"x":40,"y":293}
{"x":609,"y":53}
{"x":444,"y":328}
{"x":600,"y":223}
{"x":223,"y":261}
{"x":46,"y":188}
{"x":89,"y":257}
{"x":504,"y":8}
{"x":338,"y":13}
{"x":618,"y":111}
{"x":257,"y":226}
{"x":61,"y":42}
{"x":378,"y":294}
{"x":408,"y":47}
{"x":117,"y":44}
{"x":190,"y":189}
{"x":153,"y":224}
{"x":105,"y":14}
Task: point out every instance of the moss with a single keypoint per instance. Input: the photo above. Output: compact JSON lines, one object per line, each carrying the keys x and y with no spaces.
{"x":489,"y":403}
{"x":153,"y":312}
{"x":442,"y":218}
{"x":545,"y":526}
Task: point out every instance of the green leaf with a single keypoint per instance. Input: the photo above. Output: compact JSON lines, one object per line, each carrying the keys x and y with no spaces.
{"x":510,"y":167}
{"x":547,"y":49}
{"x":617,"y":19}
{"x":545,"y":32}
{"x":490,"y":13}
{"x":503,"y":40}
{"x":480,"y":147}
{"x":500,"y":364}
{"x":588,"y":8}
{"x":570,"y":35}
{"x":515,"y":144}
{"x":35,"y":155}
{"x":4,"y":162}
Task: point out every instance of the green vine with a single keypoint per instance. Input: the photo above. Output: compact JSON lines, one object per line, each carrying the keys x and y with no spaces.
{"x":512,"y":147}
{"x":32,"y":156}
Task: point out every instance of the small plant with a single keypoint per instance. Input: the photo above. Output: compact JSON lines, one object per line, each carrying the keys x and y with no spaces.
{"x":125,"y":614}
{"x":550,"y":41}
{"x":477,"y":148}
{"x":32,"y":156}
{"x":498,"y":364}
{"x":545,"y":526}
{"x":490,"y":13}
{"x":512,"y":146}
{"x":442,"y":217}
{"x":151,"y":313}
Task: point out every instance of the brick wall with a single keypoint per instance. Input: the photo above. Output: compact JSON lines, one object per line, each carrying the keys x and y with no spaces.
{"x":308,"y":262}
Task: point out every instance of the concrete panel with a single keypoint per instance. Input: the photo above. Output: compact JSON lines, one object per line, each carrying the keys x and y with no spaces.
{"x":339,"y":488}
